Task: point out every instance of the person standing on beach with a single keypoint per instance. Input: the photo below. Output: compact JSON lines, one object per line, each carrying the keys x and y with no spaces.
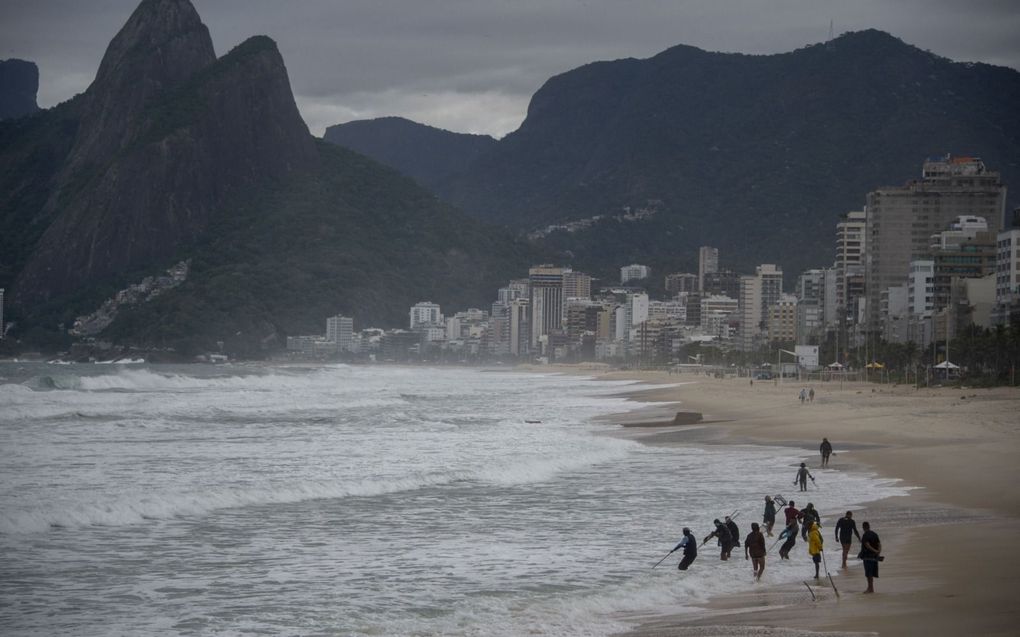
{"x":815,"y":546}
{"x":871,"y":553}
{"x":808,"y":516}
{"x":790,"y":533}
{"x":725,"y":539}
{"x":689,"y":544}
{"x":802,"y":476}
{"x":826,"y":449}
{"x":769,"y":519}
{"x":846,"y":529}
{"x":803,"y":395}
{"x":754,"y":549}
{"x":811,"y":395}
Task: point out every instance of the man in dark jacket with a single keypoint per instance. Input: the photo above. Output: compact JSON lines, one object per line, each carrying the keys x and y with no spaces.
{"x":846,"y":529}
{"x":734,"y":530}
{"x":826,"y":450}
{"x":689,"y":544}
{"x":808,"y":515}
{"x":871,"y":553}
{"x":725,"y":539}
{"x":754,"y":549}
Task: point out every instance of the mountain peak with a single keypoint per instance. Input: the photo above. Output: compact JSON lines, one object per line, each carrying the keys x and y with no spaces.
{"x":164,"y":40}
{"x":161,"y":45}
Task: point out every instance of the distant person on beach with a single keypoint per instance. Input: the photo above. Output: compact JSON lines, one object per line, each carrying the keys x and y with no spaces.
{"x":769,"y":519}
{"x":811,"y":395}
{"x":754,"y":549}
{"x":689,"y":544}
{"x":734,"y":530}
{"x":790,"y":535}
{"x":803,"y":395}
{"x":808,"y":516}
{"x":815,"y":546}
{"x":826,"y":450}
{"x":724,"y":537}
{"x":846,"y":529}
{"x":802,"y":476}
{"x":871,"y":553}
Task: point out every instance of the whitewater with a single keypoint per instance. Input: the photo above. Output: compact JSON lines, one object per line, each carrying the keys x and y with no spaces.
{"x":358,"y":500}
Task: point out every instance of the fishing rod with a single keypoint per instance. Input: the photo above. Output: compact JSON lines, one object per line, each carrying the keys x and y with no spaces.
{"x":827,"y":574}
{"x":663,"y":559}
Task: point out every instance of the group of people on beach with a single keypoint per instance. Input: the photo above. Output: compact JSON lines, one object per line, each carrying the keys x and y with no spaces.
{"x":806,"y":522}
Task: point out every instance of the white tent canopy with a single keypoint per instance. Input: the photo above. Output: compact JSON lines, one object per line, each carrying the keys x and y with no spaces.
{"x":947,"y":365}
{"x":836,"y":365}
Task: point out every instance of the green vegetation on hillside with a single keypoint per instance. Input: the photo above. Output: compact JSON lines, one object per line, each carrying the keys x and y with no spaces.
{"x":352,"y":238}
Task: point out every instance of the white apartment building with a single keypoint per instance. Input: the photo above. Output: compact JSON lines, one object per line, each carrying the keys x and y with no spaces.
{"x":340,"y":330}
{"x":1007,"y":266}
{"x":425,"y":313}
{"x":634,"y":272}
{"x":921,"y":287}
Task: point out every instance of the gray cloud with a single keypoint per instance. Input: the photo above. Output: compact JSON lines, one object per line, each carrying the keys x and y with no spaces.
{"x":472,"y":65}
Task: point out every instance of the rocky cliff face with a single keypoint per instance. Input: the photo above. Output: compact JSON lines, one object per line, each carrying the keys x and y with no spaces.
{"x":19,"y":85}
{"x":167,"y":133}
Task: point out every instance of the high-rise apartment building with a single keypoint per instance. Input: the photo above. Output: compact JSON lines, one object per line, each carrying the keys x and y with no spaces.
{"x":682,"y":282}
{"x":721,"y":283}
{"x":576,"y":285}
{"x":758,"y":292}
{"x":901,"y":220}
{"x":708,"y":262}
{"x":425,"y":313}
{"x":2,"y":314}
{"x":851,"y":244}
{"x":340,"y":330}
{"x":782,"y":320}
{"x":520,"y":327}
{"x":545,"y":284}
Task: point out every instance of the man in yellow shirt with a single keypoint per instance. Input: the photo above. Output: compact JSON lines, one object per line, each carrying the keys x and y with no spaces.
{"x":815,"y":546}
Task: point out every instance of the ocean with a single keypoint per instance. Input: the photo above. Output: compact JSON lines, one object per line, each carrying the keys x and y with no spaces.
{"x":360,"y":500}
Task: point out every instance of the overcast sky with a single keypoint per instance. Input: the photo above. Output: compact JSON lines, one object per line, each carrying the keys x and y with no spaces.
{"x":472,"y":65}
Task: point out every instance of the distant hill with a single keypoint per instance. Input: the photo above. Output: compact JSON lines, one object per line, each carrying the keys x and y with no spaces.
{"x":758,"y":155}
{"x":427,"y":154}
{"x":19,"y":85}
{"x":174,"y":154}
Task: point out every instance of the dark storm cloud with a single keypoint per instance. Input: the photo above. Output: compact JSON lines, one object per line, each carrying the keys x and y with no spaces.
{"x":473,"y":65}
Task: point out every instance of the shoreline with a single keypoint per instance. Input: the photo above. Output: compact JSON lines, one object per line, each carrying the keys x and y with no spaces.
{"x":952,"y":569}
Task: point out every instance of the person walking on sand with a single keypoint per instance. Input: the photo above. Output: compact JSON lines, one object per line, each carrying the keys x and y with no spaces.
{"x":811,"y":395}
{"x":846,"y":529}
{"x":826,"y":450}
{"x":790,"y":535}
{"x":724,"y":537}
{"x":769,"y":519}
{"x":754,"y":549}
{"x":808,"y":516}
{"x":689,"y":544}
{"x":803,"y":395}
{"x":871,"y":553}
{"x":802,"y":476}
{"x":815,"y":546}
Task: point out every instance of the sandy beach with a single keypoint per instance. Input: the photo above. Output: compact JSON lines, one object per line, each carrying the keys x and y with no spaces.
{"x":952,"y":566}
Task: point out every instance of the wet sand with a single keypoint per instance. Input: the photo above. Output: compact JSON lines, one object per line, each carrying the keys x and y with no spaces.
{"x":952,"y":565}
